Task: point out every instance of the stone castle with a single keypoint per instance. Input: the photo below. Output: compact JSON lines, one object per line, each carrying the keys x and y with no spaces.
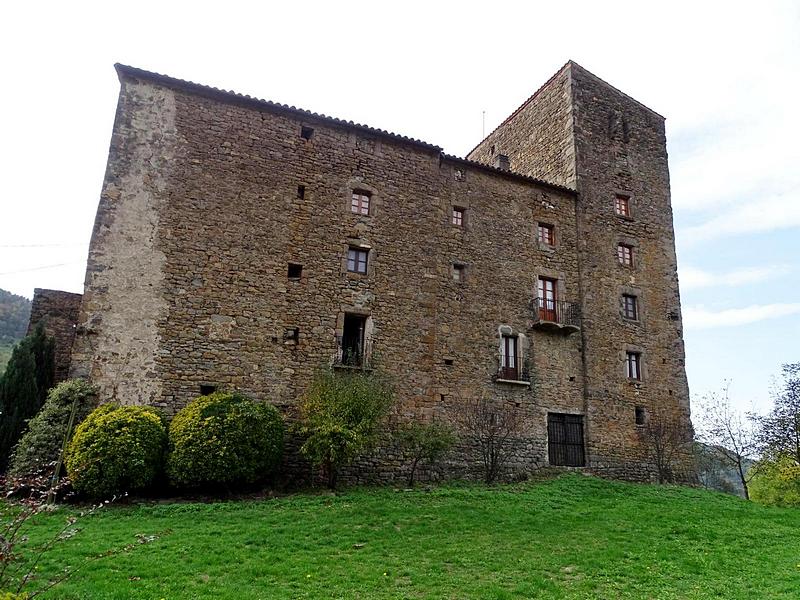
{"x":243,"y":244}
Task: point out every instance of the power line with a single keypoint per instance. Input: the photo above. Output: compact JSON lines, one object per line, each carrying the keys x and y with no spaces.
{"x":42,"y":245}
{"x":41,"y":268}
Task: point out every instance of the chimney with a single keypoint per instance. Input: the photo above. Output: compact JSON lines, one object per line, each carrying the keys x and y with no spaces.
{"x":501,"y":162}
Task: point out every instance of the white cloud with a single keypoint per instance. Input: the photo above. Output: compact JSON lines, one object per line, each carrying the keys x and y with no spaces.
{"x":763,"y":214}
{"x":697,"y":317}
{"x":693,"y":278}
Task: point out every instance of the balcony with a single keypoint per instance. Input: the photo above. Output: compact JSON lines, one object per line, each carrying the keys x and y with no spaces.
{"x":556,"y":315}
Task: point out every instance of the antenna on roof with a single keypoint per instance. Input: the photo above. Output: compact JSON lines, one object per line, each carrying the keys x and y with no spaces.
{"x":483,"y":124}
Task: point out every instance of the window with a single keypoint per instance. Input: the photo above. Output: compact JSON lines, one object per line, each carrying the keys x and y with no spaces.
{"x":565,"y":440}
{"x":306,"y":132}
{"x":352,"y":345}
{"x":357,"y":260}
{"x":458,"y":216}
{"x":301,"y":191}
{"x":629,"y":307}
{"x":360,"y":202}
{"x":547,"y":234}
{"x":640,"y":415}
{"x":508,"y":358}
{"x":207,"y":389}
{"x":633,"y":365}
{"x":547,"y":299}
{"x":294,"y":271}
{"x":625,"y":254}
{"x":622,"y":205}
{"x":459,"y":271}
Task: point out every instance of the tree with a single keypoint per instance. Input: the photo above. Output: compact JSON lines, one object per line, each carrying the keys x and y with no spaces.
{"x":731,"y":433}
{"x":779,"y":430}
{"x":340,"y":416}
{"x":424,"y":442}
{"x":665,"y":438}
{"x":777,"y":482}
{"x":23,"y":387}
{"x":494,"y":426}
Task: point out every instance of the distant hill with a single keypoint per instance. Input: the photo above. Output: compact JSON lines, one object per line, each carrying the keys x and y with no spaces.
{"x":715,"y":472}
{"x":14,"y":314}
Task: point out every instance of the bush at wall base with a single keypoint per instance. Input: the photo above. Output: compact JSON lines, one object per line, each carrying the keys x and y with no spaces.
{"x":224,"y":439}
{"x":117,"y":449}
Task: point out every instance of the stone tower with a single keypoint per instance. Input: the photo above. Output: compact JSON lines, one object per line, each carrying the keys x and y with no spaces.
{"x":581,"y":132}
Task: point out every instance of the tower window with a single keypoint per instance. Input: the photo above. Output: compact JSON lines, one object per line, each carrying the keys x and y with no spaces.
{"x":547,"y":234}
{"x":633,"y":365}
{"x":457,"y":217}
{"x":306,"y":132}
{"x":630,"y":309}
{"x":294,"y":271}
{"x":357,"y":260}
{"x":640,"y":415}
{"x":509,"y":361}
{"x":459,"y":271}
{"x":622,"y":205}
{"x":359,"y":204}
{"x":301,"y":191}
{"x":625,"y":254}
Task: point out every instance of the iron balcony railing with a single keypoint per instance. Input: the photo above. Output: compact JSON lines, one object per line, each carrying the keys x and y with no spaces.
{"x":556,"y":312}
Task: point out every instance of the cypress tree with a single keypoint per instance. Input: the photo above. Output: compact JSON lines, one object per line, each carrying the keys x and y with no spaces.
{"x":23,"y":387}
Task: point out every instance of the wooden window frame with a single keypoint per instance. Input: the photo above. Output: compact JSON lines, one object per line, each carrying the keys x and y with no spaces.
{"x":457,"y":216}
{"x":546,"y":234}
{"x":630,"y":307}
{"x":625,"y":254}
{"x":361,"y":202}
{"x":548,"y":307}
{"x":633,"y":365}
{"x":622,"y":205}
{"x":354,"y":262}
{"x":509,"y":358}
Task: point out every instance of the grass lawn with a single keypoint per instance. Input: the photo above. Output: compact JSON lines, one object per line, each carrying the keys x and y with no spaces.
{"x":572,"y":537}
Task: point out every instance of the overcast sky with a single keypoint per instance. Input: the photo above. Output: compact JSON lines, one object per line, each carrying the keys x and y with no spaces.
{"x":726,"y":75}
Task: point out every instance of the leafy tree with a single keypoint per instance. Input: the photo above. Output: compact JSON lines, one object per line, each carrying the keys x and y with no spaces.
{"x":777,"y":482}
{"x":14,"y":314}
{"x":424,"y":442}
{"x":24,"y":386}
{"x":340,"y":417}
{"x":779,"y":430}
{"x":733,"y":434}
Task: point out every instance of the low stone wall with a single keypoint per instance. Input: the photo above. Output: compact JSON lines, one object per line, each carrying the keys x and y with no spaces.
{"x":58,"y":311}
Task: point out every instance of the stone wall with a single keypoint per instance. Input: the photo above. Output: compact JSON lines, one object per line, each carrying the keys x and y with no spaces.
{"x":58,"y":312}
{"x":210,"y":196}
{"x":607,"y":143}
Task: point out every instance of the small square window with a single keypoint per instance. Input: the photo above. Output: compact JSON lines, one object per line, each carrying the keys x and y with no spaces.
{"x":633,"y":365}
{"x":640,"y":415}
{"x":306,"y":132}
{"x":359,"y":204}
{"x":630,"y":309}
{"x":457,"y":217}
{"x":547,"y":234}
{"x":207,"y":389}
{"x":294,"y":271}
{"x":625,"y":254}
{"x":459,"y":271}
{"x":357,"y":260}
{"x":622,"y":205}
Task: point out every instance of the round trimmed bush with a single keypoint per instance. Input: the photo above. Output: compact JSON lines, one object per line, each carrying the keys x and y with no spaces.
{"x":224,"y":439}
{"x":117,"y":449}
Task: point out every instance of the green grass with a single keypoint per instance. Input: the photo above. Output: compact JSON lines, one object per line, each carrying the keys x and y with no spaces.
{"x":572,"y":537}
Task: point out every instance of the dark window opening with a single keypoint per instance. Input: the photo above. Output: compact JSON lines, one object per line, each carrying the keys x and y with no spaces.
{"x":301,"y":191}
{"x":448,"y":362}
{"x":509,"y":359}
{"x":294,"y":271}
{"x":306,"y":132}
{"x":641,"y":416}
{"x":459,"y":272}
{"x":206,"y":389}
{"x":357,"y":260}
{"x":565,"y":440}
{"x":292,"y":334}
{"x":353,"y":340}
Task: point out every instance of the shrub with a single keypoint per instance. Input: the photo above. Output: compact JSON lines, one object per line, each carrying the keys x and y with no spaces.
{"x":224,"y":439}
{"x":41,"y":444}
{"x":427,"y":442}
{"x":776,"y":482}
{"x":117,"y":449}
{"x":23,"y":387}
{"x":340,"y":416}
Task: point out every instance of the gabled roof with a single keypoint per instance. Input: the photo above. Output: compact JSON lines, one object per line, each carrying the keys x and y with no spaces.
{"x":231,"y":97}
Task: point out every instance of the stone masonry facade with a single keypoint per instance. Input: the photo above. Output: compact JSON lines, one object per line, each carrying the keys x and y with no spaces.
{"x":241,"y":244}
{"x":58,"y":312}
